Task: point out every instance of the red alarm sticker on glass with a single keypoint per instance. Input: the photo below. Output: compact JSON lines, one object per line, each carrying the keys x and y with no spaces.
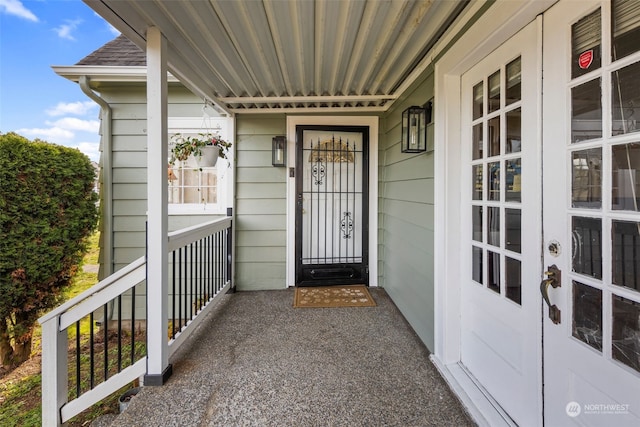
{"x":585,"y":59}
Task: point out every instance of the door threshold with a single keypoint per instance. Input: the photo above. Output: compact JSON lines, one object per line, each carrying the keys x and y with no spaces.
{"x":479,"y":404}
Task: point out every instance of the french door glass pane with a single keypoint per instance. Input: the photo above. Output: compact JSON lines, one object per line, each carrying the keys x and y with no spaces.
{"x":587,"y":246}
{"x":477,"y":142}
{"x":478,"y":110}
{"x":514,"y":131}
{"x":514,"y":82}
{"x":513,"y":280}
{"x":626,"y":254}
{"x":476,"y":261}
{"x":587,"y":315}
{"x":626,"y":99}
{"x":493,"y":270}
{"x":585,"y":44}
{"x":476,"y":175}
{"x":493,"y":126}
{"x":586,"y":179}
{"x":494,"y":226}
{"x":494,"y":180}
{"x":514,"y":180}
{"x":494,"y":92}
{"x":476,"y":212}
{"x":625,"y":177}
{"x":586,"y":111}
{"x":513,"y":229}
{"x":625,"y":343}
{"x":626,"y":27}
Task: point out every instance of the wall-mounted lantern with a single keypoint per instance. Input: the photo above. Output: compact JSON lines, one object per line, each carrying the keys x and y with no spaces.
{"x":414,"y":128}
{"x":279,"y":151}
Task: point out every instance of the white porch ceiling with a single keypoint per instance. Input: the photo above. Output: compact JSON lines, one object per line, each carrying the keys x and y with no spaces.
{"x":251,"y":56}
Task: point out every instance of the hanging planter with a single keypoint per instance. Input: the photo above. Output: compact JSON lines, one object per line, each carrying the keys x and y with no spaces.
{"x":198,"y":152}
{"x":208,"y":157}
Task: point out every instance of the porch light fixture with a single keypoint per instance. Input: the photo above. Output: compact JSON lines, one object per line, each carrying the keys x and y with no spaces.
{"x":279,"y":151}
{"x":414,"y":128}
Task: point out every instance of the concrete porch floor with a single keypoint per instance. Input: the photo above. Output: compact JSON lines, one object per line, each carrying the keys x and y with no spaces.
{"x":257,"y":361}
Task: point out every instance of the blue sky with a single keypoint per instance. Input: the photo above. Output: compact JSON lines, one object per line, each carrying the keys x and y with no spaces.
{"x":34,"y":101}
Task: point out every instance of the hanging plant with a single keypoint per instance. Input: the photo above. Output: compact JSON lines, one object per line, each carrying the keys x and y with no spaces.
{"x":185,"y":146}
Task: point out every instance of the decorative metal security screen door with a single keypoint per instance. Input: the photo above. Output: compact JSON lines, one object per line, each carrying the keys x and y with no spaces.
{"x":332,"y":205}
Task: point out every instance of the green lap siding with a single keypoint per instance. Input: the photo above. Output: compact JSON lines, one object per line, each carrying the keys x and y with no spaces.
{"x":260,"y":205}
{"x":406,"y":203}
{"x":129,"y":165}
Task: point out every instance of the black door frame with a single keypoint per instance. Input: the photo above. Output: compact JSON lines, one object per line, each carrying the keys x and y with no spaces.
{"x":339,"y":273}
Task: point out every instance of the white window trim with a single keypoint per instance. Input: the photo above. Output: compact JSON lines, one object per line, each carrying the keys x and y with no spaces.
{"x":225,"y":127}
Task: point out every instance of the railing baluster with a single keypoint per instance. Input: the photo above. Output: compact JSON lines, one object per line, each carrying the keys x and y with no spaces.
{"x":173,"y":299}
{"x":133,"y":324}
{"x":210,"y":269}
{"x":78,"y":391}
{"x":191,"y":282}
{"x":91,"y":353}
{"x":200,"y":281}
{"x":180,"y":288}
{"x":196,"y":282}
{"x":105,"y":321}
{"x":220,"y":262}
{"x":119,"y":333}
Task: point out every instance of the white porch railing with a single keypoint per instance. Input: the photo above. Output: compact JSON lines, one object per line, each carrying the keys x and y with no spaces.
{"x":113,"y":354}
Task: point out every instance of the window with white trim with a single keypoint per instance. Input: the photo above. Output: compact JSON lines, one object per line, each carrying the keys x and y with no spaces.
{"x":194,"y":187}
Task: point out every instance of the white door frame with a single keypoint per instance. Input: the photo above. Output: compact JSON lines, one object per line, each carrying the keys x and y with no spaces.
{"x":372,"y":123}
{"x":480,"y":40}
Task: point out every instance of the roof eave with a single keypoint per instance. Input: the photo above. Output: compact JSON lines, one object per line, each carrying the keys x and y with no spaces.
{"x":105,"y":73}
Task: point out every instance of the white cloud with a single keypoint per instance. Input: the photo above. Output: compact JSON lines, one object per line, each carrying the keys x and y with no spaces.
{"x":53,"y":134}
{"x":62,"y":136}
{"x":79,"y":108}
{"x":75,"y":124}
{"x":62,"y":131}
{"x":67,"y":130}
{"x":16,"y":8}
{"x":91,"y":149}
{"x":64,"y":31}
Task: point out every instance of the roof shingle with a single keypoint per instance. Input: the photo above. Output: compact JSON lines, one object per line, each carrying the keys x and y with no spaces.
{"x":118,"y":52}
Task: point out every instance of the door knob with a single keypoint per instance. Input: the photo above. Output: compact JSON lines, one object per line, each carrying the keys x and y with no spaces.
{"x":554,"y":280}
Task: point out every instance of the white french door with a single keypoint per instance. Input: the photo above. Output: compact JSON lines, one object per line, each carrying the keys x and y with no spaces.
{"x":500,"y":236}
{"x":591,"y":217}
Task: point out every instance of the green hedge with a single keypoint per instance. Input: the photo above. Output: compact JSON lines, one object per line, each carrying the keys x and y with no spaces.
{"x":47,"y":209}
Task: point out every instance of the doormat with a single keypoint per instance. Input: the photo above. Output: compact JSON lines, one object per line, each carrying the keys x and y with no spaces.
{"x":333,"y":296}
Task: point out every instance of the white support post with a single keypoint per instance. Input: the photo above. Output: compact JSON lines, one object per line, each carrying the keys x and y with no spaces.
{"x":158,"y":368}
{"x":54,"y":372}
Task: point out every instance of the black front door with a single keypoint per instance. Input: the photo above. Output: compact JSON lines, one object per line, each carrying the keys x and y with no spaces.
{"x":332,"y":206}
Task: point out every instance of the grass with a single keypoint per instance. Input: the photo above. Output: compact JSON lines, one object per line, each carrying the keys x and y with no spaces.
{"x":20,"y":389}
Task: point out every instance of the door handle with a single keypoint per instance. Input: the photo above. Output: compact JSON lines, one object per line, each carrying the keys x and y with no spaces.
{"x":554,"y":279}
